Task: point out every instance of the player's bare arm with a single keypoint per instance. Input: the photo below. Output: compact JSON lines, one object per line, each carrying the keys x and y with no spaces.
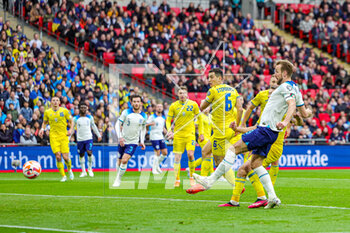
{"x":291,"y":109}
{"x":247,"y":113}
{"x":239,"y":106}
{"x":305,"y":112}
{"x":43,"y":127}
{"x":71,"y":124}
{"x":241,"y":129}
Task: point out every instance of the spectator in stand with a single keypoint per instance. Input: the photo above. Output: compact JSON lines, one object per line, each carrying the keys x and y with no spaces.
{"x":6,"y":133}
{"x":247,"y":23}
{"x":28,"y":137}
{"x":307,"y":24}
{"x":336,"y":138}
{"x":319,"y":137}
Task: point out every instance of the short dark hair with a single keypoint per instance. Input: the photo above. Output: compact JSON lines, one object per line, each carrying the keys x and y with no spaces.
{"x":286,"y":66}
{"x":182,"y":88}
{"x":135,"y":96}
{"x":82,"y":104}
{"x":56,"y":97}
{"x":217,"y":72}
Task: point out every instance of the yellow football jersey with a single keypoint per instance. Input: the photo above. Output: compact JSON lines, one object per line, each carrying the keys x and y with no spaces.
{"x":223,"y":101}
{"x":183,"y":115}
{"x":261,"y":99}
{"x":57,"y":121}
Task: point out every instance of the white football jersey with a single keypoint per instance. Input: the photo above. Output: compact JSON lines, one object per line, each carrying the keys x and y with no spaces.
{"x":156,"y":131}
{"x":277,"y":106}
{"x":84,"y":125}
{"x":132,"y":123}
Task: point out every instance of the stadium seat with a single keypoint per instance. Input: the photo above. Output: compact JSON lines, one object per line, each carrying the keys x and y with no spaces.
{"x":177,"y":10}
{"x":312,"y":93}
{"x":267,"y":78}
{"x":138,"y":72}
{"x":165,"y":56}
{"x":235,"y":69}
{"x":274,"y":49}
{"x":266,"y":72}
{"x":337,"y":115}
{"x":86,"y":48}
{"x":49,"y":28}
{"x":108,"y":58}
{"x":219,"y":54}
{"x":41,"y":22}
{"x":236,"y":44}
{"x":317,"y":79}
{"x":324,"y":116}
{"x":324,"y":69}
{"x":117,"y":31}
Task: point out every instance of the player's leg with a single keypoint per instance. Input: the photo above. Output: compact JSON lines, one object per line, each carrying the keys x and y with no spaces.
{"x":123,"y":164}
{"x":90,"y":159}
{"x":126,"y":153}
{"x":121,"y":150}
{"x":179,"y":146}
{"x":207,"y":163}
{"x":190,"y":147}
{"x":82,"y":164}
{"x":155,"y":165}
{"x":56,"y":149}
{"x":164,"y":154}
{"x":68,"y":163}
{"x":272,"y":158}
{"x":66,"y":157}
{"x":256,"y":165}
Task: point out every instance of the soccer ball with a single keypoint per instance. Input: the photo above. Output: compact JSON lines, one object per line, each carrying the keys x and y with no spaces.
{"x":31,"y":169}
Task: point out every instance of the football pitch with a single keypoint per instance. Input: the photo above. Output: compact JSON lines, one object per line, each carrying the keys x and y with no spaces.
{"x":312,"y":201}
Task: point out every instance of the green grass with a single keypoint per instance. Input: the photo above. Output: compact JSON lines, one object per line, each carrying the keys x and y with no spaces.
{"x":154,"y":209}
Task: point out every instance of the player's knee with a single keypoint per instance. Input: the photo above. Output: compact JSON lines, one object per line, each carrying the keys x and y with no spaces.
{"x":124,"y":161}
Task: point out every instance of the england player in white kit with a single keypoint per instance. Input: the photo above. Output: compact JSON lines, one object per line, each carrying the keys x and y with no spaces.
{"x":131,"y":132}
{"x":157,"y":130}
{"x":283,"y":101}
{"x":84,"y":123}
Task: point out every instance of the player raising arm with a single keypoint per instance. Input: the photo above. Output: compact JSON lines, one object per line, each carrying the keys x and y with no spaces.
{"x":84,"y":124}
{"x":57,"y":118}
{"x":131,"y":131}
{"x":283,"y":101}
{"x":157,"y":128}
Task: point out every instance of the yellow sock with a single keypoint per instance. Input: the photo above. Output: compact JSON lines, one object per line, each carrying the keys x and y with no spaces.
{"x":68,"y":164}
{"x":60,"y":167}
{"x":206,"y":165}
{"x":198,"y":162}
{"x":177,"y":168}
{"x":230,"y":176}
{"x":239,"y":185}
{"x":273,"y":173}
{"x":211,"y":164}
{"x":254,"y":179}
{"x":191,"y":166}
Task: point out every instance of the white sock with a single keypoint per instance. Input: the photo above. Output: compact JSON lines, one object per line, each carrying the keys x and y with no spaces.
{"x":90,"y":162}
{"x":155,"y":161}
{"x":266,"y":181}
{"x":161,"y":158}
{"x":82,"y":163}
{"x":117,"y":167}
{"x":223,"y":167}
{"x":122,"y":169}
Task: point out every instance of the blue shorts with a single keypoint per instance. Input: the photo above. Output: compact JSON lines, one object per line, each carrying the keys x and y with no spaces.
{"x":158,"y":144}
{"x":127,"y":149}
{"x":259,"y":140}
{"x":84,"y":146}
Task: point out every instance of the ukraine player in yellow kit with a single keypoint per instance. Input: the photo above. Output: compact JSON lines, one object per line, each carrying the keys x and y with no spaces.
{"x":223,"y":99}
{"x":204,"y":143}
{"x":182,"y":113}
{"x":57,"y":118}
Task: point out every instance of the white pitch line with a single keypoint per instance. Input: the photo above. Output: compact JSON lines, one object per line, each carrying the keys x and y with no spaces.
{"x":159,"y":199}
{"x":44,"y":229}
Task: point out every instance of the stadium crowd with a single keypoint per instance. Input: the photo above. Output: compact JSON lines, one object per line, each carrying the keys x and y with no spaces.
{"x":178,"y":43}
{"x":328,"y":22}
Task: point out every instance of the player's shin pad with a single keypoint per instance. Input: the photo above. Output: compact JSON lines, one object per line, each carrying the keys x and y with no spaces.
{"x":254,"y":180}
{"x":192,"y":167}
{"x":60,"y":167}
{"x":239,"y":185}
{"x":177,"y":168}
{"x":205,"y":169}
{"x":68,"y":164}
{"x":273,"y":174}
{"x":230,"y":177}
